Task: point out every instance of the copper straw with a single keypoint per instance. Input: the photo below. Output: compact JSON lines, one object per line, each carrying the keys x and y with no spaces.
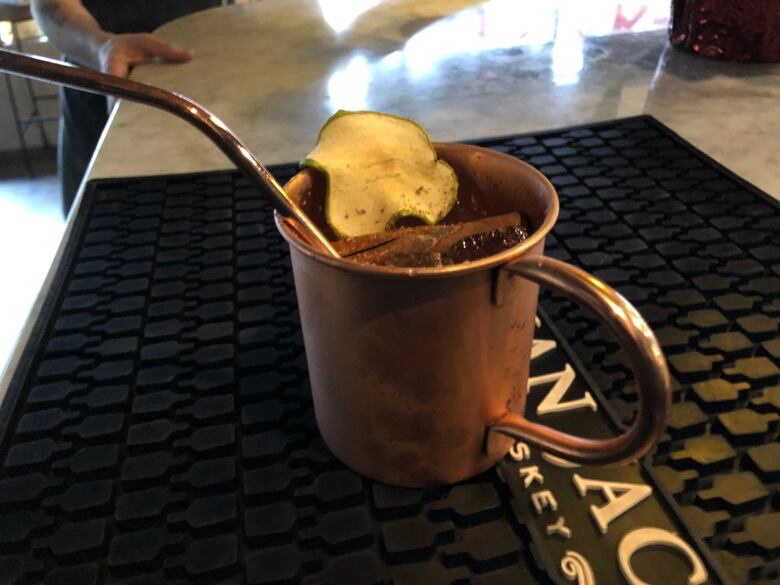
{"x":61,"y":73}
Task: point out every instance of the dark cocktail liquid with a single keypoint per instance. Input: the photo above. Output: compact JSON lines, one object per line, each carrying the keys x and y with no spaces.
{"x":485,"y":244}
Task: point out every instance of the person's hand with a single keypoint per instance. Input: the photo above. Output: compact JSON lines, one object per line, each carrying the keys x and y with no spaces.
{"x":120,"y":53}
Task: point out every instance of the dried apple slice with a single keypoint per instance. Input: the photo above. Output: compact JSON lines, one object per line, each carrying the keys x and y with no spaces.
{"x":380,"y":168}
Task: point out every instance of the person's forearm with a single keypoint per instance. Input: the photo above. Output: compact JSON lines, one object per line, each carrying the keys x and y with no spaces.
{"x":72,"y":29}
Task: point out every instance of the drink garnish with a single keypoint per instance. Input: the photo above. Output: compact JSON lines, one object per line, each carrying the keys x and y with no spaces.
{"x":380,"y":168}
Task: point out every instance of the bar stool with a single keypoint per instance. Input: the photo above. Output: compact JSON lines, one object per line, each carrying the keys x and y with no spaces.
{"x":15,"y":14}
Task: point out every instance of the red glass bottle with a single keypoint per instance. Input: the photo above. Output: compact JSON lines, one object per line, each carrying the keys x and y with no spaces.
{"x":738,"y":30}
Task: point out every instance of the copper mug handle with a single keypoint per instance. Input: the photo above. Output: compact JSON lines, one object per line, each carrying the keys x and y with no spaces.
{"x":644,"y":353}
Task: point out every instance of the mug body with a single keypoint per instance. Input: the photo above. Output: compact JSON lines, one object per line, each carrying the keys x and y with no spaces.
{"x":409,"y":366}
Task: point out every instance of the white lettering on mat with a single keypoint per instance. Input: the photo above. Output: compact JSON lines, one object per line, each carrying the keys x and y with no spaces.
{"x":631,"y":494}
{"x":559,"y":527}
{"x":530,"y":474}
{"x":544,"y":499}
{"x":562,"y":381}
{"x":657,"y":537}
{"x":575,"y":567}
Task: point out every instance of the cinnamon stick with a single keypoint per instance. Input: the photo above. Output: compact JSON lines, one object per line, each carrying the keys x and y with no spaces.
{"x":420,"y":245}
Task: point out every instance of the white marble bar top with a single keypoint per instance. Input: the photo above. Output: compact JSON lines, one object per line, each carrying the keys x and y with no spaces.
{"x":274,"y":70}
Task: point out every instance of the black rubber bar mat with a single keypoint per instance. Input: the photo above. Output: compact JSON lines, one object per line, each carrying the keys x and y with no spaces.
{"x":159,"y":429}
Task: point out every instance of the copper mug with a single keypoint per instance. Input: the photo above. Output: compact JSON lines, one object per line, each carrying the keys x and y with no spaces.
{"x":419,"y":376}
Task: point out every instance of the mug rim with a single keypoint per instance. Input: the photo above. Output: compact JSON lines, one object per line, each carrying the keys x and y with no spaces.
{"x":463,"y":268}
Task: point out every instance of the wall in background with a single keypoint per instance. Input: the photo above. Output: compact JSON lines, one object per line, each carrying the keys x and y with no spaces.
{"x":9,"y":140}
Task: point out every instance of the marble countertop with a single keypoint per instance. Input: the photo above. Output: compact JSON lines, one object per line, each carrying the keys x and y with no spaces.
{"x":274,"y":70}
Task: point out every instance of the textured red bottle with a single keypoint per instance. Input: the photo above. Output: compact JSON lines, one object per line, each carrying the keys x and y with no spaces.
{"x":738,"y":30}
